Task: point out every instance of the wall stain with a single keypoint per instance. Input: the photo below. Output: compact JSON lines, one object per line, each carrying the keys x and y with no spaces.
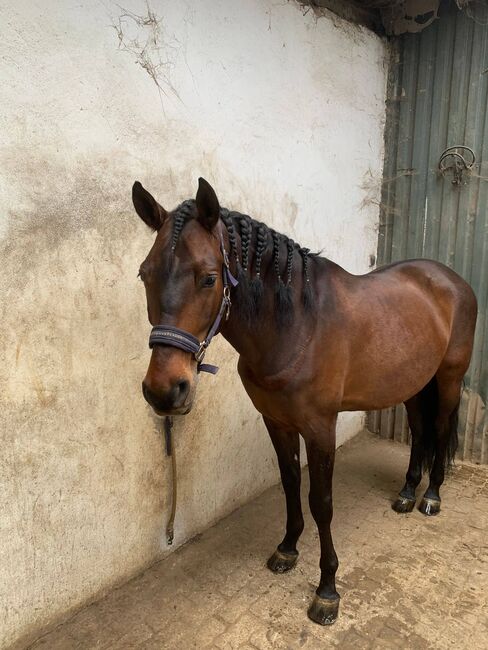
{"x":45,"y":396}
{"x":18,"y":349}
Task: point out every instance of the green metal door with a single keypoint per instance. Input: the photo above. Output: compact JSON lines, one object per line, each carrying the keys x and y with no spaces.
{"x":437,"y":99}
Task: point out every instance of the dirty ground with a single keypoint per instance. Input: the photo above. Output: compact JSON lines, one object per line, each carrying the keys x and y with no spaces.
{"x":406,"y":581}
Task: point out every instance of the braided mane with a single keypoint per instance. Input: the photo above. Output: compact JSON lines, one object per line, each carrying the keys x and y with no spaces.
{"x":261,"y":239}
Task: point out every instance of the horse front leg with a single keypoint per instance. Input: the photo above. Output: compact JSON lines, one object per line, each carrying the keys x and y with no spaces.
{"x":321,"y":452}
{"x":287,"y":446}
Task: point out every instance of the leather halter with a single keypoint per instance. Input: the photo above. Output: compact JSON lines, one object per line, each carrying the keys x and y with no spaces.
{"x":178,"y":338}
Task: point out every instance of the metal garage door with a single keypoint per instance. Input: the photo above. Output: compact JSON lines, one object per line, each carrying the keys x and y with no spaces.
{"x":435,"y":199}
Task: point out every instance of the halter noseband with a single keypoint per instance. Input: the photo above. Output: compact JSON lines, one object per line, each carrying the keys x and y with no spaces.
{"x":178,"y":338}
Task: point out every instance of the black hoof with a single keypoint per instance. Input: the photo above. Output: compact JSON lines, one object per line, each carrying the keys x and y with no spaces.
{"x":403,"y":504}
{"x":323,"y":611}
{"x":430,"y":507}
{"x":282,"y":562}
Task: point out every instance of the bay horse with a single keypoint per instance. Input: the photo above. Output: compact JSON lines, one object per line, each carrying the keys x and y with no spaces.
{"x":313,"y":340}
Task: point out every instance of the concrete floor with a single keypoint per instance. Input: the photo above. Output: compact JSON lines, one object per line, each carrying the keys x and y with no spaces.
{"x":407,"y":581}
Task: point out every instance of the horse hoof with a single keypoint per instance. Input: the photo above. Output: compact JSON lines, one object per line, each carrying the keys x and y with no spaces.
{"x":282,"y":562}
{"x":403,"y":504}
{"x":323,"y":611}
{"x":430,"y":507}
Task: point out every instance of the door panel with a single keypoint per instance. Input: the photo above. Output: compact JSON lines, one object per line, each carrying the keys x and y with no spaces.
{"x":437,"y":98}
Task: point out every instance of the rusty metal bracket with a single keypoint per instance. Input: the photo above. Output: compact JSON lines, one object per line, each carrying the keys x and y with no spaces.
{"x":458,"y":160}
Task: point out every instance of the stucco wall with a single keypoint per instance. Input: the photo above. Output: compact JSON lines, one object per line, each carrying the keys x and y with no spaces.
{"x":283,"y":113}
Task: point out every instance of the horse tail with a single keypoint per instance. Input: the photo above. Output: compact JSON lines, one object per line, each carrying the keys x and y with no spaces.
{"x":452,"y":441}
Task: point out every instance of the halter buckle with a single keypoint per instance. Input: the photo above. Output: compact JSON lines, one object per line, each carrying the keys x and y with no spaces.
{"x":201,"y":352}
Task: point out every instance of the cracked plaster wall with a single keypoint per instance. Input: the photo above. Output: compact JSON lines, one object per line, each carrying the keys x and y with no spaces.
{"x":283,"y":113}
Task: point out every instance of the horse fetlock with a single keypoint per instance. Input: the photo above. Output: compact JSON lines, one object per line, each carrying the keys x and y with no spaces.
{"x":293,"y":533}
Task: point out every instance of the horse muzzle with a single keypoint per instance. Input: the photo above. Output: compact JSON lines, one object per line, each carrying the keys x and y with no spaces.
{"x":177,"y":400}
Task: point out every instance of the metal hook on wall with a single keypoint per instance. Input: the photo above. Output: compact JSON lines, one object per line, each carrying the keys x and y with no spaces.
{"x":458,"y":160}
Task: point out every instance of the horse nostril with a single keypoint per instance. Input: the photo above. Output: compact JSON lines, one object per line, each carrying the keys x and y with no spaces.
{"x":183,"y":388}
{"x":169,"y":399}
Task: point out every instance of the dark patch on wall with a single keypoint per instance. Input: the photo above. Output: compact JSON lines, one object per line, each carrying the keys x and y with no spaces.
{"x":52,"y":202}
{"x":390,"y":17}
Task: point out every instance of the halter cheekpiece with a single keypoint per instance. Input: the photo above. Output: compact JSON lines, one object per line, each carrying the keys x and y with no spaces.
{"x":178,"y":338}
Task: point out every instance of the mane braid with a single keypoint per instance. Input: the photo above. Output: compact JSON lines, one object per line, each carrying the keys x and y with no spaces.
{"x":276,"y":254}
{"x":246,"y":235}
{"x":283,"y":295}
{"x":256,"y":284}
{"x":183,"y":214}
{"x":290,"y":248}
{"x":226,"y":217}
{"x":307,"y":296}
{"x":245,"y":300}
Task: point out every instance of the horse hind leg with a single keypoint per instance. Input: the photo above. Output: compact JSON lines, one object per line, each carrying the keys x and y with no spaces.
{"x":449,"y":382}
{"x":449,"y":378}
{"x":421,"y":413}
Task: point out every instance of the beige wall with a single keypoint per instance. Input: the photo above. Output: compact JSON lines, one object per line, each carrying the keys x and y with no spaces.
{"x":283,"y":113}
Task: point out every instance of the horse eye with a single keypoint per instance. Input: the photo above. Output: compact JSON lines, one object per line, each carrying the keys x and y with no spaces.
{"x":209,"y":281}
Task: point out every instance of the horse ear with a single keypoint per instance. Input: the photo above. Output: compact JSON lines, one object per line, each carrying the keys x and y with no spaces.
{"x":208,"y":208}
{"x":147,"y":207}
